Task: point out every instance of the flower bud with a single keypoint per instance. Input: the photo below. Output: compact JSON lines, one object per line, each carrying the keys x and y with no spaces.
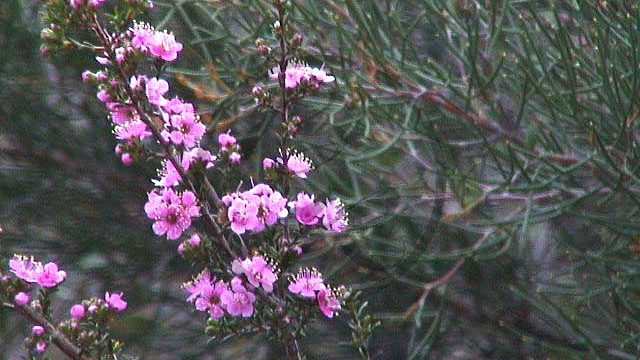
{"x":41,"y":347}
{"x":37,"y":330}
{"x":21,"y":298}
{"x":77,"y":311}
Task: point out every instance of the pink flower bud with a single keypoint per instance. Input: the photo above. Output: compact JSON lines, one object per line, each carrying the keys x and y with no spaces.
{"x":101,"y":75}
{"x":257,"y":90}
{"x":21,"y":298}
{"x":86,"y":75}
{"x":92,"y":309}
{"x":118,"y":149}
{"x":267,"y":163}
{"x":37,"y":330}
{"x":77,"y":311}
{"x":41,"y":347}
{"x":181,"y":248}
{"x":194,"y":240}
{"x":127,"y":159}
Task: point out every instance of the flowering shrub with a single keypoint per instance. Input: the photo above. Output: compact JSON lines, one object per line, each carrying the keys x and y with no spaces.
{"x":241,"y":243}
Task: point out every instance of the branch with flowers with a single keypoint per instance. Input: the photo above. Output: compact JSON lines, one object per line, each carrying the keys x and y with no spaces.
{"x":245,"y":244}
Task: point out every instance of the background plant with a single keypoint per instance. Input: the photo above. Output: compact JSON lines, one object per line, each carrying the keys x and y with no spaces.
{"x":511,"y":123}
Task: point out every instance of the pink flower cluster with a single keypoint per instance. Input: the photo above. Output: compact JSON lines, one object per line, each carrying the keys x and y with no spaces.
{"x":34,"y":272}
{"x":182,"y":125}
{"x":257,"y":270}
{"x":297,"y":73}
{"x":215,"y":296}
{"x":169,"y":176}
{"x":162,"y":45}
{"x":309,"y":283}
{"x":171,"y":211}
{"x":229,"y":144}
{"x":115,"y":301}
{"x":309,"y":212}
{"x":255,"y":209}
{"x":297,"y":163}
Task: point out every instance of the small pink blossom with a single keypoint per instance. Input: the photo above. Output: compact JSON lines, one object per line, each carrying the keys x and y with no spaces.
{"x":141,"y":34}
{"x":238,"y":300}
{"x":243,"y":215}
{"x":25,"y":268}
{"x":155,"y":90}
{"x":49,"y":275}
{"x":194,"y":240}
{"x":77,"y":311}
{"x":234,"y":157}
{"x":334,"y":218}
{"x":267,"y":163}
{"x":183,"y":129}
{"x":328,"y":302}
{"x":135,"y":129}
{"x":257,"y":270}
{"x":103,"y":95}
{"x":102,"y":60}
{"x":299,"y":165}
{"x":41,"y":347}
{"x":163,"y":45}
{"x":172,"y":212}
{"x":76,"y":3}
{"x":255,"y":209}
{"x":96,"y":3}
{"x":211,"y":298}
{"x":307,"y":211}
{"x":226,"y":140}
{"x":196,"y":287}
{"x":307,"y":282}
{"x":21,"y":298}
{"x":37,"y":330}
{"x":115,"y":301}
{"x":297,"y":73}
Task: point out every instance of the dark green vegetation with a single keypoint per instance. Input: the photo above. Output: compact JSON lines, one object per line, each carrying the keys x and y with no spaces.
{"x":487,"y":149}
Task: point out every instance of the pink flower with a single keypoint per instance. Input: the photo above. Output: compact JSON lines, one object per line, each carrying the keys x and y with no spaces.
{"x":115,"y":301}
{"x":258,"y":272}
{"x":155,"y":90}
{"x":328,"y":302}
{"x":77,"y":311}
{"x":196,"y":287}
{"x":194,"y":240}
{"x":50,"y":276}
{"x":243,"y":215}
{"x":163,"y":45}
{"x":103,"y":95}
{"x":238,"y":301}
{"x":37,"y":330}
{"x":132,"y":130}
{"x":226,"y":140}
{"x":299,"y":165}
{"x":211,"y":299}
{"x":25,"y":268}
{"x":234,"y":157}
{"x":102,"y":60}
{"x":334,"y":217}
{"x":307,"y":282}
{"x":255,"y":209}
{"x":75,"y":3}
{"x":198,"y":155}
{"x":297,"y":73}
{"x":21,"y":298}
{"x":172,"y":212}
{"x":183,"y":129}
{"x":41,"y":347}
{"x":307,"y":212}
{"x":267,"y":163}
{"x":141,"y":34}
{"x":121,"y":115}
{"x":137,"y":82}
{"x":96,"y":3}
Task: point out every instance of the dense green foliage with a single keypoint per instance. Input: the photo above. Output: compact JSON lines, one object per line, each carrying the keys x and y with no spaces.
{"x":486,"y":150}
